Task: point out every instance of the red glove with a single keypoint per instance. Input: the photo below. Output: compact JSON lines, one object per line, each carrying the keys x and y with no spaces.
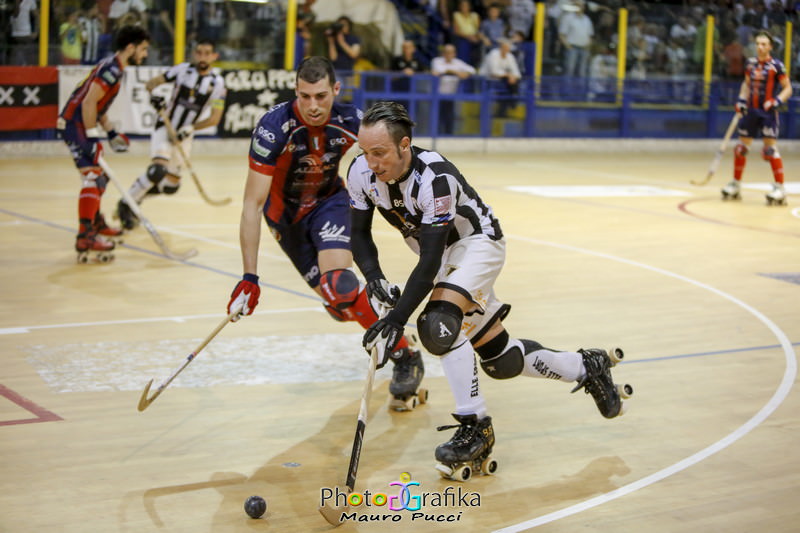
{"x":772,"y":103}
{"x":244,"y":297}
{"x":119,"y":141}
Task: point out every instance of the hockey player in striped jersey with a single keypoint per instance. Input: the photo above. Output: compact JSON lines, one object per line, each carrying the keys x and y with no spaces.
{"x":196,"y":87}
{"x":461,"y":253}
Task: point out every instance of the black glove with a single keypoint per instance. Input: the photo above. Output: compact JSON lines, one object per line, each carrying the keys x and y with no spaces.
{"x":158,"y":102}
{"x":383,"y":335}
{"x":382,"y":295}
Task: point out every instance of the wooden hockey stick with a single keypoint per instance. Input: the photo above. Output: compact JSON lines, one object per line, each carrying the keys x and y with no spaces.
{"x":188,"y":254}
{"x":333,"y":513}
{"x":173,"y":137}
{"x":145,"y":401}
{"x":712,"y":168}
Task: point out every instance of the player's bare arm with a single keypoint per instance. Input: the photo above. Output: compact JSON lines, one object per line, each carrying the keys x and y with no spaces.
{"x":256,"y":191}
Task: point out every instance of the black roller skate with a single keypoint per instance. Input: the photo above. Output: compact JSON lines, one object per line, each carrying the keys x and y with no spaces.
{"x":406,"y":377}
{"x":469,"y":450}
{"x":126,"y":216}
{"x":598,"y":382}
{"x":100,"y":226}
{"x":91,"y":247}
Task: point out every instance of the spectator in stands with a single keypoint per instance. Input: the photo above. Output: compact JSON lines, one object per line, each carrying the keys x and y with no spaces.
{"x":407,"y":63}
{"x":162,"y":32}
{"x":576,"y":31}
{"x":520,"y":17}
{"x":466,"y":27}
{"x":71,"y":39}
{"x":493,"y":28}
{"x":733,"y":59}
{"x":501,"y":65}
{"x":603,"y":74}
{"x":92,"y":30}
{"x":683,"y":32}
{"x":120,"y":8}
{"x":344,"y":48}
{"x":24,"y":32}
{"x":450,"y":70}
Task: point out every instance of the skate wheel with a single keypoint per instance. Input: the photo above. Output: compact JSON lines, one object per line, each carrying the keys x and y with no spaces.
{"x":422,"y":394}
{"x":444,"y":471}
{"x":616,"y":355}
{"x":625,"y":391}
{"x":83,"y":258}
{"x":106,"y":258}
{"x":488,"y":466}
{"x":400,"y":404}
{"x":462,"y":473}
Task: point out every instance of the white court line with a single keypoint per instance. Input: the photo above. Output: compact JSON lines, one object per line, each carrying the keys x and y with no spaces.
{"x":179,"y":319}
{"x":220,"y":243}
{"x":789,"y":375}
{"x":796,"y":212}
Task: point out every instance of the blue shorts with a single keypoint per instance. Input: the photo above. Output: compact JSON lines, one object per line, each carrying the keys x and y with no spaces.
{"x":756,"y":121}
{"x":84,"y":152}
{"x":326,"y":227}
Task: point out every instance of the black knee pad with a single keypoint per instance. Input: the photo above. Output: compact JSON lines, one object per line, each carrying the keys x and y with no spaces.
{"x":167,"y":187}
{"x":339,"y":288}
{"x":439,"y":325}
{"x":500,"y":361}
{"x":156,"y":173}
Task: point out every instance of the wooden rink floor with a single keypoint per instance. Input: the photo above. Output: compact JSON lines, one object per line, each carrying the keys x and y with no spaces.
{"x":605,"y":248}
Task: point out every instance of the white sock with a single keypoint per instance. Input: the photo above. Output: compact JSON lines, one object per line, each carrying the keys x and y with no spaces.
{"x":543,"y":363}
{"x":140,"y":187}
{"x":462,"y":374}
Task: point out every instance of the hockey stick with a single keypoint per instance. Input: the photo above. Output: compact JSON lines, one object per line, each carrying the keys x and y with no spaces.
{"x":333,"y":513}
{"x":146,"y":223}
{"x":145,"y":401}
{"x":173,"y":137}
{"x":718,"y":156}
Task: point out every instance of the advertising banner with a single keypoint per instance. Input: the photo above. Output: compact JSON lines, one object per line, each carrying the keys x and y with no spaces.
{"x":28,"y":98}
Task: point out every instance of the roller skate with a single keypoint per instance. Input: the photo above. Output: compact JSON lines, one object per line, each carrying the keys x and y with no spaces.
{"x":732,"y":191}
{"x":126,"y":216}
{"x":91,"y":247}
{"x":598,"y":382}
{"x":101,"y":228}
{"x":469,"y":450}
{"x":406,"y":377}
{"x":777,"y":196}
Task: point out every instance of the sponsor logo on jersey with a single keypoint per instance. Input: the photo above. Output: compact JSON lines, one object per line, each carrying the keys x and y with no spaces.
{"x":441,"y":206}
{"x":265,"y":134}
{"x":292,"y":147}
{"x":109,"y":77}
{"x":333,"y":233}
{"x":260,"y":150}
{"x":289,"y":124}
{"x":337,"y":141}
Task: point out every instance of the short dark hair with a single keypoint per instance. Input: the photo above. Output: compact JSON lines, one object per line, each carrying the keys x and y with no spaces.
{"x":206,"y":40}
{"x":393,"y":115}
{"x":314,"y":68}
{"x":126,"y":35}
{"x":765,"y":33}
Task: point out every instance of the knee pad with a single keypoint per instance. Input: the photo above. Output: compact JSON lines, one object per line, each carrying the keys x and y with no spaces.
{"x":439,"y":325}
{"x":168,"y":186}
{"x":501,"y":357}
{"x":102,"y":182}
{"x":156,"y":172}
{"x":339,"y":288}
{"x":769,"y":153}
{"x":741,"y":150}
{"x":337,"y":315}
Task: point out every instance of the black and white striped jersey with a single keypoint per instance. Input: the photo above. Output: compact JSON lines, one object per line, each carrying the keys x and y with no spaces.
{"x":434,"y":193}
{"x":192,"y":93}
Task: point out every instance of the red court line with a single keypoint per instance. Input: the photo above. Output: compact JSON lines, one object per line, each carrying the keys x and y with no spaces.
{"x":42,"y":414}
{"x":684,"y":206}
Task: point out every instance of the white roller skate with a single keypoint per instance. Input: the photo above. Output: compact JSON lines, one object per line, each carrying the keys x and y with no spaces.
{"x":469,"y":450}
{"x":777,"y":196}
{"x":732,"y":191}
{"x":92,"y":248}
{"x":598,"y":381}
{"x":406,"y":377}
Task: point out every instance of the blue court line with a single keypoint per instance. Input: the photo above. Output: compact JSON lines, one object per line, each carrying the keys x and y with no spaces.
{"x":702,"y":354}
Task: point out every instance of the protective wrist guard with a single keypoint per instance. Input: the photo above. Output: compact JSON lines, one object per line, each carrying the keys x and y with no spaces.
{"x":741,"y":106}
{"x":244,"y":297}
{"x":119,"y":141}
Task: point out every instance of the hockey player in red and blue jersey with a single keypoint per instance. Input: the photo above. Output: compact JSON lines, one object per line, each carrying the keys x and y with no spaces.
{"x":81,"y":122}
{"x":765,"y":88}
{"x":294,"y":183}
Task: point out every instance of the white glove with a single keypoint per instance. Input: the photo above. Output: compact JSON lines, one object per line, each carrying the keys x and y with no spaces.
{"x":184,"y":132}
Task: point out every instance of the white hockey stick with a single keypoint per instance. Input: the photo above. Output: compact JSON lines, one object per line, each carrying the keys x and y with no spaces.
{"x":712,"y":168}
{"x":138,"y":212}
{"x":173,"y":137}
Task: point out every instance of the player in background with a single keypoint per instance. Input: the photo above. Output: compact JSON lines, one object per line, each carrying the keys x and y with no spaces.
{"x":765,"y":88}
{"x":461,"y":253}
{"x":197,"y":87}
{"x":81,"y":124}
{"x":294,"y":183}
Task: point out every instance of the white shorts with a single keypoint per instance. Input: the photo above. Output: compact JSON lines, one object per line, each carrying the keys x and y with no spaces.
{"x":470,"y":267}
{"x":160,"y":147}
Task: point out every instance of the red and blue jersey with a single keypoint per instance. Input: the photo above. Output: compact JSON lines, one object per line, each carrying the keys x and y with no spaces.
{"x":303,"y":160}
{"x":763,"y":79}
{"x":108,"y":74}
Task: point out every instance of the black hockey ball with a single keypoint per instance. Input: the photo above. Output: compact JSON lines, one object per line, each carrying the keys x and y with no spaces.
{"x":255,"y":506}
